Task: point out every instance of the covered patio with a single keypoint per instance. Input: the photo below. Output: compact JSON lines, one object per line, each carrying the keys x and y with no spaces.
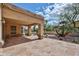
{"x":12,"y":20}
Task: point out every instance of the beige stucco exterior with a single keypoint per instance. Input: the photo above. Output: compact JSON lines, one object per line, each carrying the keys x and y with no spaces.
{"x":77,"y":24}
{"x":1,"y":40}
{"x":10,"y":15}
{"x":7,"y":27}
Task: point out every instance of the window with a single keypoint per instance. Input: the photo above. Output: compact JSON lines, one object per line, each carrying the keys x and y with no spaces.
{"x":13,"y":29}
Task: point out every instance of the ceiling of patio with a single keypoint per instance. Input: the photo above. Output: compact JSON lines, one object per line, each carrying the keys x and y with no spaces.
{"x":17,"y":22}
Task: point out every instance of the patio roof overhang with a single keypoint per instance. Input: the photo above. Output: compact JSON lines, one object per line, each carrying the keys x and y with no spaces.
{"x":11,"y":12}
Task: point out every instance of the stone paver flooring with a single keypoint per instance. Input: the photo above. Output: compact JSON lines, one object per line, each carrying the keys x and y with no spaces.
{"x":44,"y":47}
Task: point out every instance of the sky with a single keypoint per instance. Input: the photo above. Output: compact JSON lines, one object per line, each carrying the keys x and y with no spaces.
{"x":33,"y":7}
{"x":49,"y":11}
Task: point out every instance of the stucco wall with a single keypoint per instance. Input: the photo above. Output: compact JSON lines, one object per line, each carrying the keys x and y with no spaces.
{"x":77,"y":24}
{"x":7,"y":30}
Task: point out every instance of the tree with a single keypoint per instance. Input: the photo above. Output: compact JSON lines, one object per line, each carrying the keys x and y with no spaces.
{"x":34,"y":28}
{"x":67,"y":17}
{"x":70,"y":13}
{"x":62,"y":29}
{"x":45,"y":24}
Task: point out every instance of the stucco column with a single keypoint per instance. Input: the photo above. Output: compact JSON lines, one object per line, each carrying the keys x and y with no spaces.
{"x":1,"y":37}
{"x":40,"y":31}
{"x":29,"y":30}
{"x":18,"y":30}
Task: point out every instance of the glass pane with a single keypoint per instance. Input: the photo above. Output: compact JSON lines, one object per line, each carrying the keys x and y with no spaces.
{"x":13,"y":29}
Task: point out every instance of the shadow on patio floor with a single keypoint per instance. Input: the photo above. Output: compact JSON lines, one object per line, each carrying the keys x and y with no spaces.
{"x":16,"y":40}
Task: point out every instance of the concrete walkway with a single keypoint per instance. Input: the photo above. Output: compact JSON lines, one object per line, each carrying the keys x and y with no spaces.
{"x":44,"y":47}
